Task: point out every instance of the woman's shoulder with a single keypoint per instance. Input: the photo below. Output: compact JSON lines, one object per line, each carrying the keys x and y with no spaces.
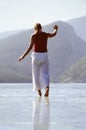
{"x":33,"y":35}
{"x":41,"y":33}
{"x":45,"y":33}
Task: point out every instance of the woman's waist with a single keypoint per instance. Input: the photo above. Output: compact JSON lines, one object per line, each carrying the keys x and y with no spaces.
{"x":40,"y":49}
{"x":39,"y":55}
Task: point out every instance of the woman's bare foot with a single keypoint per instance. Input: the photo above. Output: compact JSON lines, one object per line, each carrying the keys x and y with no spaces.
{"x":39,"y":92}
{"x":47,"y":100}
{"x":46,"y":92}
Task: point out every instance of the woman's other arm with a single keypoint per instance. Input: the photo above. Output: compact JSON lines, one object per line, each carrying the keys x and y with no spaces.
{"x":54,"y":32}
{"x":28,"y":49}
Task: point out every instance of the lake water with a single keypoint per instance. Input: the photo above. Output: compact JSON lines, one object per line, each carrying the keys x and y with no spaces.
{"x":22,"y":109}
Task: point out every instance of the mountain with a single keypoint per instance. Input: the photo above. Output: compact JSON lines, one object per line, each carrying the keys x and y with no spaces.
{"x":64,"y":50}
{"x":11,"y":48}
{"x":8,"y":34}
{"x":76,"y":73}
{"x":79,"y":25}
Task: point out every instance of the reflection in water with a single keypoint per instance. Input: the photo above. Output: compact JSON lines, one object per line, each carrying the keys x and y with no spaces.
{"x":40,"y":115}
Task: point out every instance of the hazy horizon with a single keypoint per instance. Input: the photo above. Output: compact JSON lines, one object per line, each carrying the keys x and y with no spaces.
{"x":26,"y":28}
{"x":17,"y":15}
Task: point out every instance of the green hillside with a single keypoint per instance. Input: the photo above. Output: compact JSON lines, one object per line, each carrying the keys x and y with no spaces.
{"x":76,"y":73}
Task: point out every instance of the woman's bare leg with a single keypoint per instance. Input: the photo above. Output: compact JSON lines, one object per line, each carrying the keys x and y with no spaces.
{"x":39,"y":92}
{"x":46,"y":92}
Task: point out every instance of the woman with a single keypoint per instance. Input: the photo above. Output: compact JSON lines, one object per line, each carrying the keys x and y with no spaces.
{"x":40,"y":64}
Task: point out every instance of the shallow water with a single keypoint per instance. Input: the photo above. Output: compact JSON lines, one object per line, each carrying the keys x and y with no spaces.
{"x":22,"y":109}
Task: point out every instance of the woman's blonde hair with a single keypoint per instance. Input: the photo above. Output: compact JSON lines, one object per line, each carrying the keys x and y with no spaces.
{"x":37,"y":27}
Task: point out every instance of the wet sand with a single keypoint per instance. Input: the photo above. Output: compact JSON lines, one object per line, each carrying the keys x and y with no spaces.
{"x":21,"y":109}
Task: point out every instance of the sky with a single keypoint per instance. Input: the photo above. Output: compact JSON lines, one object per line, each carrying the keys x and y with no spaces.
{"x":23,"y":14}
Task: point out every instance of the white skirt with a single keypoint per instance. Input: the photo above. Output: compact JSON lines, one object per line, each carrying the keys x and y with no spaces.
{"x":40,"y":70}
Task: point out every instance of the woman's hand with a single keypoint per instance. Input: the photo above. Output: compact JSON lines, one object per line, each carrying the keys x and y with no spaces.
{"x":21,"y":58}
{"x":55,"y":27}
